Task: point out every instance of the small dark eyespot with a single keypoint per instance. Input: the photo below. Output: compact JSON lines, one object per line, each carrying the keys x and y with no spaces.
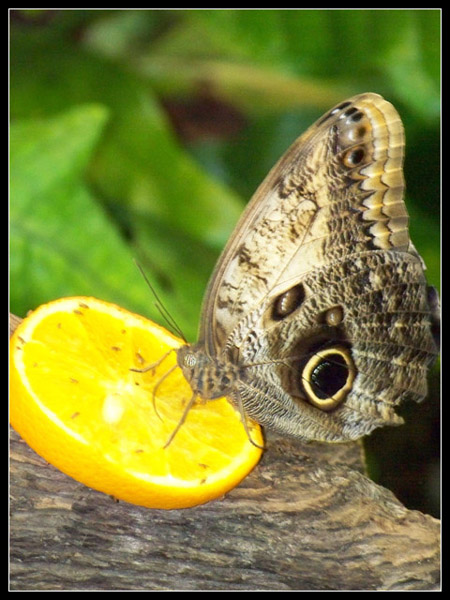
{"x":354,"y":114}
{"x":342,"y":106}
{"x":287,"y":302}
{"x":361,"y":132}
{"x":332,"y":317}
{"x":353,"y":157}
{"x":350,"y":111}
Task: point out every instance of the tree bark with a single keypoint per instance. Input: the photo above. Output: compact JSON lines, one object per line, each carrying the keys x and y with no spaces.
{"x":306,"y":518}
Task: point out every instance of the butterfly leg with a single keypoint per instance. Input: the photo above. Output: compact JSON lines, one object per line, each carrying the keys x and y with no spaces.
{"x":187,"y":408}
{"x":240,"y":407}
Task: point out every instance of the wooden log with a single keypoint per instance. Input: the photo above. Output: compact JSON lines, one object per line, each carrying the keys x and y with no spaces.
{"x":306,"y":518}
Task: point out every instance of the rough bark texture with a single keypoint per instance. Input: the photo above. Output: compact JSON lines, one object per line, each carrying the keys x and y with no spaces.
{"x":306,"y":518}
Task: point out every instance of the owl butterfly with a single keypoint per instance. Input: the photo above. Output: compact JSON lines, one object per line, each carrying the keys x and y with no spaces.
{"x":317,"y":321}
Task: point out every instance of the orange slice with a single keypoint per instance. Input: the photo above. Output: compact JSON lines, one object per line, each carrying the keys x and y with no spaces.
{"x":76,"y":402}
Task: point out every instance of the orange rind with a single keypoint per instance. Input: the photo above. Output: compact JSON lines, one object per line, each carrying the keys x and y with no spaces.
{"x":76,"y":401}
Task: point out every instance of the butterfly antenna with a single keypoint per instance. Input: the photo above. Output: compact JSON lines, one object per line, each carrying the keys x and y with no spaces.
{"x":152,"y":367}
{"x":168,"y":318}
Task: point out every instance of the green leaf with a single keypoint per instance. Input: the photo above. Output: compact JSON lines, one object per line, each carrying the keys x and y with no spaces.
{"x":62,"y":242}
{"x":280,"y":68}
{"x":145,"y":181}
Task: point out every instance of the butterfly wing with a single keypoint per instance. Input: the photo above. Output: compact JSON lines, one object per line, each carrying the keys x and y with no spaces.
{"x":319,"y":294}
{"x":337,"y":191}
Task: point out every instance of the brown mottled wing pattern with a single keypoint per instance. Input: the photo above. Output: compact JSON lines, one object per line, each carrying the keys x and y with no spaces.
{"x":320,"y":282}
{"x":337,"y":191}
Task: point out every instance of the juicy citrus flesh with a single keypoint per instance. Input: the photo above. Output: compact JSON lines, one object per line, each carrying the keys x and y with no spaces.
{"x":77,"y":403}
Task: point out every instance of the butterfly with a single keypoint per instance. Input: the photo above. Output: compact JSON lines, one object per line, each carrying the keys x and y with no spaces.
{"x":318,"y":321}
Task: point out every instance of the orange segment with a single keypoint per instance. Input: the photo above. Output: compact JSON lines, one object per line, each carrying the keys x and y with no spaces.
{"x":76,"y":402}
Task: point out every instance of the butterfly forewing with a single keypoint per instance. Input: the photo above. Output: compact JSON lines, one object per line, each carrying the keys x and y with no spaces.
{"x":337,"y":191}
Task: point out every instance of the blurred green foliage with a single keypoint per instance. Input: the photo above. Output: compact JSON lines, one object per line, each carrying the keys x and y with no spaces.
{"x":142,"y":133}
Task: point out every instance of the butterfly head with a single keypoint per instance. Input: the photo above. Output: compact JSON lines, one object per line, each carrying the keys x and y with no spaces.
{"x":208,"y":377}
